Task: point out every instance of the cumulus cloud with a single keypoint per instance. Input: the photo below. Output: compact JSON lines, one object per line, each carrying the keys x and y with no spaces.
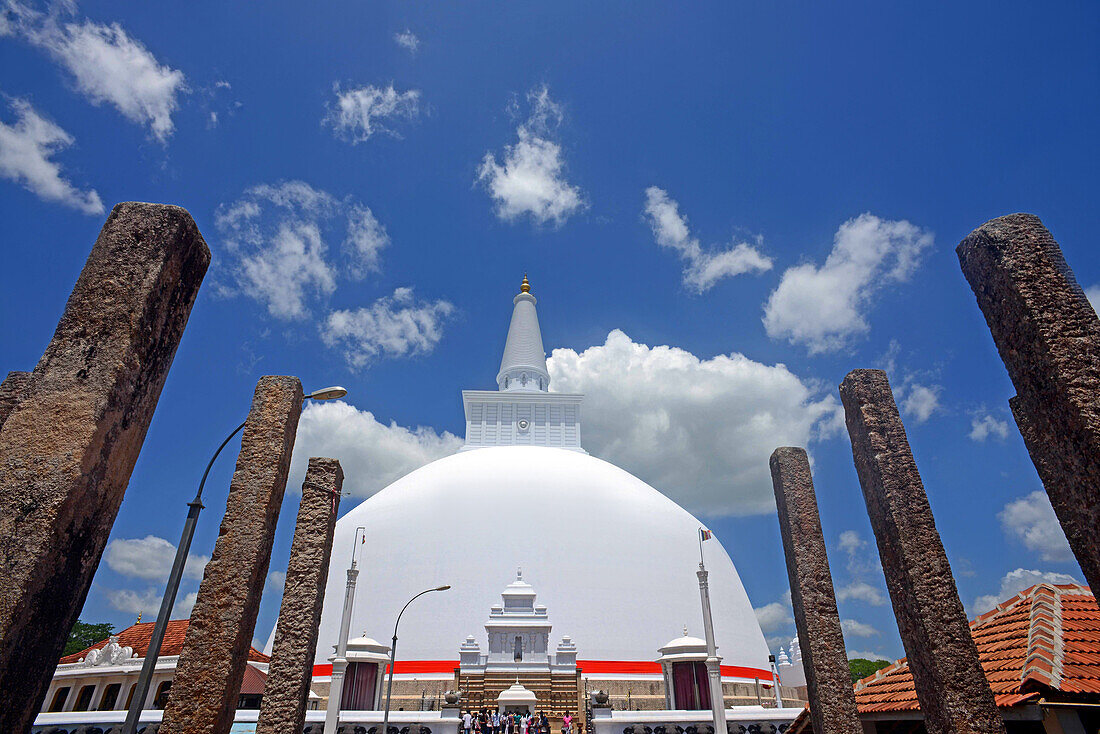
{"x":276,"y":580}
{"x":867,"y":655}
{"x":107,"y":65}
{"x":26,"y":149}
{"x":1093,"y":294}
{"x":861,"y":591}
{"x":147,"y":603}
{"x":360,"y":112}
{"x":921,"y":401}
{"x":700,"y":430}
{"x":373,"y":454}
{"x":1016,"y":581}
{"x":983,"y":425}
{"x":1032,"y":521}
{"x":407,"y":40}
{"x":530,"y":180}
{"x":825,"y":308}
{"x":774,"y":616}
{"x":278,"y":237}
{"x":702,"y":269}
{"x":150,"y":557}
{"x":855,"y":628}
{"x":393,"y":326}
{"x":862,"y":556}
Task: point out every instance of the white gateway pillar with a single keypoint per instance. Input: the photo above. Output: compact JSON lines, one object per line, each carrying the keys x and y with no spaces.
{"x":714,"y":671}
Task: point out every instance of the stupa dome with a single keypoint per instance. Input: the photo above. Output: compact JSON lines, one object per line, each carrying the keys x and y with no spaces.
{"x":612,"y":560}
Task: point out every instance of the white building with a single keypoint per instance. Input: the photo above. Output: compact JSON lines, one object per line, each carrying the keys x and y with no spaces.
{"x":611,"y":556}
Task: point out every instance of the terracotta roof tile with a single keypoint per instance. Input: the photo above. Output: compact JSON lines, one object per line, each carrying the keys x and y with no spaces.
{"x":1046,"y":637}
{"x":138,"y":636}
{"x":253,"y":682}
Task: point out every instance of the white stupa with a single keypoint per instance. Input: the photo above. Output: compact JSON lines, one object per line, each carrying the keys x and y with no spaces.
{"x":611,"y":556}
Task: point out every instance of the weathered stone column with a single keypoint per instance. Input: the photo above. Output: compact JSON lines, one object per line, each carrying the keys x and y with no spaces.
{"x":832,"y":702}
{"x":68,"y":447}
{"x":12,"y":390}
{"x":286,"y":693}
{"x":203,"y":698}
{"x":1049,"y":339}
{"x":953,"y":692}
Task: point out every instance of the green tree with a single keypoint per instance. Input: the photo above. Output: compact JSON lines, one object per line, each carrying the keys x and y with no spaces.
{"x":861,"y":667}
{"x":84,"y":635}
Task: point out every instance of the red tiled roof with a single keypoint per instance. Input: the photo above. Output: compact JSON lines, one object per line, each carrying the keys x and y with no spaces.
{"x":1046,"y":638}
{"x":137,"y":636}
{"x":253,"y":682}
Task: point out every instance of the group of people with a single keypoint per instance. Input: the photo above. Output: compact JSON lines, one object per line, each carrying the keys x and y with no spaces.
{"x":494,"y":722}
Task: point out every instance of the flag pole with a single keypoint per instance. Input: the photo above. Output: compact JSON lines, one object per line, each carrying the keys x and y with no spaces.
{"x":714,"y":671}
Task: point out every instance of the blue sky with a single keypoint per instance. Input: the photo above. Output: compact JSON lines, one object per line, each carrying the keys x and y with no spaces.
{"x":783,"y":183}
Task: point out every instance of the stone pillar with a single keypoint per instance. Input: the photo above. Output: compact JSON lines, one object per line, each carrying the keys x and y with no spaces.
{"x":286,"y":693}
{"x":1049,"y":339}
{"x":953,"y":692}
{"x":12,"y":390}
{"x":832,"y":702}
{"x":203,"y":698}
{"x":68,"y":447}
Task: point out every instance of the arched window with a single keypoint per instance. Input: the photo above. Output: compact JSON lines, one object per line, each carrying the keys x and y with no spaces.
{"x":84,"y":698}
{"x":161,"y":698}
{"x":110,"y":697}
{"x":130,"y":696}
{"x":58,"y":701}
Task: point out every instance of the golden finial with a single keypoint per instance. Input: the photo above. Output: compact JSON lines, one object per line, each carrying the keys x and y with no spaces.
{"x":525,"y":287}
{"x":139,"y":618}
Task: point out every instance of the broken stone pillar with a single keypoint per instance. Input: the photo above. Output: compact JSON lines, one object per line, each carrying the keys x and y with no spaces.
{"x":832,"y":702}
{"x":68,"y":446}
{"x":953,"y":692}
{"x":286,"y":692}
{"x":1049,"y":339}
{"x":12,"y":390}
{"x":203,"y":698}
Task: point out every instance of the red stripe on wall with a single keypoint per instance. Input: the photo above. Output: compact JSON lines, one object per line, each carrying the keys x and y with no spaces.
{"x":601,"y":667}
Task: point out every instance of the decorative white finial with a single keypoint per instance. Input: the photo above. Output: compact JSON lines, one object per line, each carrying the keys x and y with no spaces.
{"x":519,"y":573}
{"x":685,"y":630}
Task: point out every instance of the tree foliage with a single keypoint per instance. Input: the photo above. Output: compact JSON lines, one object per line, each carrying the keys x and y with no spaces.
{"x":861,"y":667}
{"x":84,"y":635}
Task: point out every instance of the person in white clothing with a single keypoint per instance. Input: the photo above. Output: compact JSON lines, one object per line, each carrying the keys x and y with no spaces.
{"x":467,"y":722}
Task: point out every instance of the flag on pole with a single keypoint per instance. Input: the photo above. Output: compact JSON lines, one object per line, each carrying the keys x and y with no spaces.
{"x":704,"y":534}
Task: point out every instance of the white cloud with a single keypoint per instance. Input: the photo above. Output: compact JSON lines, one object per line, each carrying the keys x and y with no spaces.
{"x":108,"y":66}
{"x":147,"y":603}
{"x":700,"y":430}
{"x":361,"y":112}
{"x":372,"y":454}
{"x":850,"y":542}
{"x":1016,"y":581}
{"x":825,"y":308}
{"x":393,"y":326}
{"x":275,"y":582}
{"x":26,"y":147}
{"x":150,"y":557}
{"x":983,"y":425}
{"x":922,"y":401}
{"x":278,"y":239}
{"x":773,"y":616}
{"x":1093,"y":294}
{"x":862,"y":556}
{"x":1032,"y":521}
{"x":531,"y":178}
{"x":867,"y":655}
{"x":861,"y":591}
{"x":702,"y":269}
{"x":407,"y":40}
{"x":855,"y":628}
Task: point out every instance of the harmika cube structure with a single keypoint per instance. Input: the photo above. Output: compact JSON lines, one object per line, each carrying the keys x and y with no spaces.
{"x":287,"y":691}
{"x":1049,"y":338}
{"x":828,"y":682}
{"x":74,"y":429}
{"x":954,"y":695}
{"x":211,"y":667}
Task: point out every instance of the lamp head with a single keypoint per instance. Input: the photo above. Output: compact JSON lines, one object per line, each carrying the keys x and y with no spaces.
{"x":442,"y":588}
{"x":327,"y":393}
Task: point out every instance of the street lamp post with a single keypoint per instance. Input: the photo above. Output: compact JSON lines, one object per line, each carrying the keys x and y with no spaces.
{"x":393,"y":655}
{"x":141,"y":689}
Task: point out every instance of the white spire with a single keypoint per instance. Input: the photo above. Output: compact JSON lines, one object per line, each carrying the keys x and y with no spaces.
{"x":523,"y":367}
